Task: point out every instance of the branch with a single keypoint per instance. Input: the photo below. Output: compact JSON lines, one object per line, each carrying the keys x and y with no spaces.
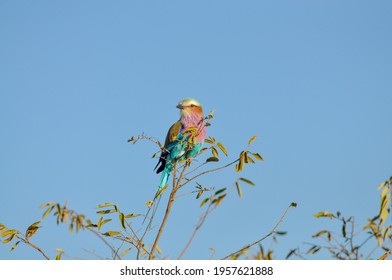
{"x":198,"y":226}
{"x":163,"y":224}
{"x":27,"y":242}
{"x":99,"y":235}
{"x":209,"y":171}
{"x":293,"y":204}
{"x":176,"y":187}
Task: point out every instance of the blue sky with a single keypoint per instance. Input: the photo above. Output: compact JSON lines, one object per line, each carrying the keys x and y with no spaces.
{"x":312,"y":79}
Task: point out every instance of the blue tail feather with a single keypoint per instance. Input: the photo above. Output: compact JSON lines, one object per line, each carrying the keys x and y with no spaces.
{"x":164,"y":179}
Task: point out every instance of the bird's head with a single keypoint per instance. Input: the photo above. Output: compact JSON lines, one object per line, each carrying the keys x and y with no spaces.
{"x":189,"y":106}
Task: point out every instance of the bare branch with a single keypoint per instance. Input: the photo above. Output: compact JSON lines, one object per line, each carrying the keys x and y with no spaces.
{"x":27,"y":242}
{"x":209,"y":171}
{"x":198,"y":226}
{"x":264,"y":237}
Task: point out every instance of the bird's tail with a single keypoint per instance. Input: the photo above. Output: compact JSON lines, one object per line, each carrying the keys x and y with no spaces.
{"x":164,"y":179}
{"x":162,"y":183}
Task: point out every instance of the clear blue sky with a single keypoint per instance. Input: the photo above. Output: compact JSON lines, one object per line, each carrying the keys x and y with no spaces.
{"x":312,"y":79}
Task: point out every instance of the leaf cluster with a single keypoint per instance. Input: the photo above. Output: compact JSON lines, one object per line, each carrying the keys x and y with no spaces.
{"x":351,"y":240}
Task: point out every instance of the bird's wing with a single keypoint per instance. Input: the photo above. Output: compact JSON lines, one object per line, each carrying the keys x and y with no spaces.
{"x":172,"y":133}
{"x":170,"y":138}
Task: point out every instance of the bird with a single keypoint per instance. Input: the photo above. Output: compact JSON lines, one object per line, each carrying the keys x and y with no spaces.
{"x":184,"y":139}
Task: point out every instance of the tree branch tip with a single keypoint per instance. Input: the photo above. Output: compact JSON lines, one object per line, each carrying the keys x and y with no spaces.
{"x":293,"y":204}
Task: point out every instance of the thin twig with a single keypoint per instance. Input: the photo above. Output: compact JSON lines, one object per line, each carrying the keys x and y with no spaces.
{"x":118,"y":249}
{"x":27,"y":242}
{"x":93,"y":253}
{"x":139,"y":242}
{"x":163,"y":224}
{"x":99,"y":235}
{"x":197,"y":167}
{"x":209,"y":171}
{"x":264,"y":237}
{"x":177,"y":185}
{"x":198,"y":226}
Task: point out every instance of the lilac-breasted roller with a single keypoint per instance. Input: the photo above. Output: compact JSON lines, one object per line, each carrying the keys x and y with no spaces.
{"x":184,"y":138}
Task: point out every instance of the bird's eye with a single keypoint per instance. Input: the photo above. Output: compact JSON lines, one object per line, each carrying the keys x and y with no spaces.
{"x":192,"y":105}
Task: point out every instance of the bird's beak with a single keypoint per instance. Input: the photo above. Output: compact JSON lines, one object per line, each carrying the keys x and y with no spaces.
{"x":180,"y":106}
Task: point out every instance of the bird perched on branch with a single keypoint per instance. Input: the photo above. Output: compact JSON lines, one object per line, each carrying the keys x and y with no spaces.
{"x":183,"y":140}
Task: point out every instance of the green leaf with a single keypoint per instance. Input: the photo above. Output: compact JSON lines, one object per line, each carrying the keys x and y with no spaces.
{"x":214,"y":152}
{"x":246,"y":158}
{"x":204,"y":201}
{"x":212,"y":159}
{"x":249,"y":159}
{"x":126,"y":251}
{"x":384,"y":192}
{"x":324,"y":214}
{"x":58,"y":209}
{"x":220,"y":191}
{"x":130,"y":216}
{"x":314,"y":249}
{"x":32,"y":229}
{"x":222,"y":148}
{"x":210,"y":115}
{"x":122,"y":219}
{"x":239,"y":191}
{"x":344,"y":229}
{"x":320,"y":233}
{"x":104,"y":212}
{"x":101,"y":222}
{"x":199,"y":194}
{"x":247,"y":181}
{"x":382,"y":185}
{"x":9,"y":238}
{"x":257,"y":156}
{"x":293,"y":251}
{"x":58,"y":250}
{"x":252,"y":139}
{"x":8,"y":232}
{"x":105,"y":221}
{"x":112,"y":232}
{"x":149,"y":203}
{"x":46,"y":204}
{"x":383,"y":215}
{"x":161,"y":191}
{"x":241,"y":161}
{"x":107,"y":204}
{"x":217,"y":201}
{"x":47,"y":212}
{"x":14,"y":246}
{"x":155,"y":154}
